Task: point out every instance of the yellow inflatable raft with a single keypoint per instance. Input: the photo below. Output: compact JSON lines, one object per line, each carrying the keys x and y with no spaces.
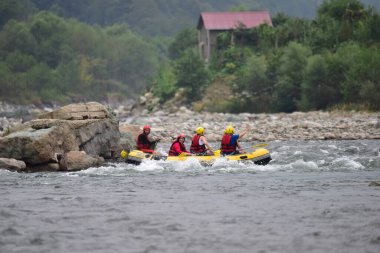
{"x":259,"y":156}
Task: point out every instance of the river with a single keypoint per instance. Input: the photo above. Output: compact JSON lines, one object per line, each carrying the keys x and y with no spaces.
{"x":314,"y":196}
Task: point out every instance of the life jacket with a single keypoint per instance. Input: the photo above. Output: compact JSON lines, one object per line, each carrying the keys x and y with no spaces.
{"x":195,"y":147}
{"x":226,"y":147}
{"x":143,"y":142}
{"x":172,"y":152}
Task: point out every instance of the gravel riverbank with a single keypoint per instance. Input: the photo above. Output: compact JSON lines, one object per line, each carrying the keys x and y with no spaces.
{"x":315,"y":125}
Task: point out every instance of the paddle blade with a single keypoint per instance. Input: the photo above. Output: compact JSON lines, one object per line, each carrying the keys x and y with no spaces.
{"x":123,"y":154}
{"x":260,"y":145}
{"x":217,"y":152}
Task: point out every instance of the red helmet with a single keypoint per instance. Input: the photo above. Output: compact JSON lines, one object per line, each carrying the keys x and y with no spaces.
{"x":181,"y":136}
{"x":146,"y":127}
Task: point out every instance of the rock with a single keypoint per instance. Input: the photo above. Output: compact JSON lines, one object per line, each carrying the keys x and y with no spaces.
{"x":133,"y":130}
{"x":50,"y":167}
{"x":37,"y":146}
{"x":41,"y":139}
{"x":91,"y":110}
{"x":374,"y":183}
{"x":279,"y":126}
{"x":79,"y":160}
{"x":92,"y":129}
{"x":12,"y":164}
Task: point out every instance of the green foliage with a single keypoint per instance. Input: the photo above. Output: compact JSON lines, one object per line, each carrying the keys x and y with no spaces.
{"x":11,"y":9}
{"x":254,"y":86}
{"x":290,"y":76}
{"x":374,"y":28}
{"x":184,"y":40}
{"x":349,"y":16}
{"x":191,"y":74}
{"x":235,"y":105}
{"x":342,"y":9}
{"x":19,"y":62}
{"x":50,"y":59}
{"x":318,"y":92}
{"x":231,"y":59}
{"x":362,"y":82}
{"x":296,"y":64}
{"x":164,"y":85}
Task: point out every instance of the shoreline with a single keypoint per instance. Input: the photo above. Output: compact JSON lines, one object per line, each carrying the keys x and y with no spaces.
{"x":315,"y":125}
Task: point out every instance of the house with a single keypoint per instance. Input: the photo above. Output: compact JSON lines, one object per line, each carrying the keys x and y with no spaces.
{"x":212,"y":23}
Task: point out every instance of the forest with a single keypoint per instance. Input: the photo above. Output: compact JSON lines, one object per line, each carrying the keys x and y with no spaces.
{"x":319,"y":56}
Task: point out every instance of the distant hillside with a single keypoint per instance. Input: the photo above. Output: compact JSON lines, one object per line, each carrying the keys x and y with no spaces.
{"x":162,"y":17}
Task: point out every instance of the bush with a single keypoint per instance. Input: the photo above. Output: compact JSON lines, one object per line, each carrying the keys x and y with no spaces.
{"x":164,"y":85}
{"x":290,"y":76}
{"x":191,"y":74}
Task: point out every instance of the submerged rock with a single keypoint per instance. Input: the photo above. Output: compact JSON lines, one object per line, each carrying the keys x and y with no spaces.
{"x":374,"y":183}
{"x":77,"y":160}
{"x":12,"y":164}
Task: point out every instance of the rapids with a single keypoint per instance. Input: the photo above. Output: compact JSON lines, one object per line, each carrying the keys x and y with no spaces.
{"x":314,"y":196}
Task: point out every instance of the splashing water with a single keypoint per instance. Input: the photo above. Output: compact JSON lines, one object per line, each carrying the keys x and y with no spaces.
{"x":314,"y":196}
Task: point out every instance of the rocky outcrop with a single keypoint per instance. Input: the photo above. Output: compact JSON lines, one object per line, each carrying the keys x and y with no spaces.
{"x":82,"y":111}
{"x":87,"y":127}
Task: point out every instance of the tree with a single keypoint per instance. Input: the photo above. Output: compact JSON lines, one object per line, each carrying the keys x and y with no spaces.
{"x":318,"y":92}
{"x":348,"y":13}
{"x":253,"y":82}
{"x":165,"y":82}
{"x":290,"y":76}
{"x":362,"y":83}
{"x":184,"y":40}
{"x":10,"y":9}
{"x":191,"y":74}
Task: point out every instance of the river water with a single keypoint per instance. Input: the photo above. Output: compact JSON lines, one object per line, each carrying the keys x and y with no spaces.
{"x":315,"y":196}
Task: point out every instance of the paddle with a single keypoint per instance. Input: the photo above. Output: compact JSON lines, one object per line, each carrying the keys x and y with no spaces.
{"x":258,"y":145}
{"x":217,"y":152}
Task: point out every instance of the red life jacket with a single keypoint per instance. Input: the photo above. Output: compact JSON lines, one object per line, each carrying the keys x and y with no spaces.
{"x":143,"y":142}
{"x":172,"y":151}
{"x":195,"y":147}
{"x":226,"y":147}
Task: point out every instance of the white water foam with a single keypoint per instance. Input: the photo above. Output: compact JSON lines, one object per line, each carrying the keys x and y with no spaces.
{"x":323,"y":151}
{"x":148,"y":165}
{"x":110,"y":169}
{"x":347,"y":164}
{"x":301,"y":165}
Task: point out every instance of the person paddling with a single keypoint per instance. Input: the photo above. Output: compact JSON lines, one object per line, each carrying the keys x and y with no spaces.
{"x":230,"y":144}
{"x":199,"y":144}
{"x":178,"y":146}
{"x":145,"y":143}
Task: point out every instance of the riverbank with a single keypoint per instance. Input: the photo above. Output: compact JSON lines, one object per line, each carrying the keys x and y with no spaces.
{"x":315,"y":125}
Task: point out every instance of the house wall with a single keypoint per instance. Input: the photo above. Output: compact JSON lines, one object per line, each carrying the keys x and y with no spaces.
{"x":204,"y":46}
{"x":213,"y":35}
{"x":207,"y":43}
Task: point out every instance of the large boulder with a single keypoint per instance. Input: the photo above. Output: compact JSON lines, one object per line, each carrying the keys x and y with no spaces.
{"x":77,"y":160}
{"x":12,"y":164}
{"x":88,"y":127}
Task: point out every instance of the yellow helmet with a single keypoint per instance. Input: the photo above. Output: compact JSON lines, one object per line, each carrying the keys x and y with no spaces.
{"x":229,"y":130}
{"x":123,"y":154}
{"x":200,"y":130}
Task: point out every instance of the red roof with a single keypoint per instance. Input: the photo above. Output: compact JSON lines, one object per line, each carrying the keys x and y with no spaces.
{"x":231,"y":20}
